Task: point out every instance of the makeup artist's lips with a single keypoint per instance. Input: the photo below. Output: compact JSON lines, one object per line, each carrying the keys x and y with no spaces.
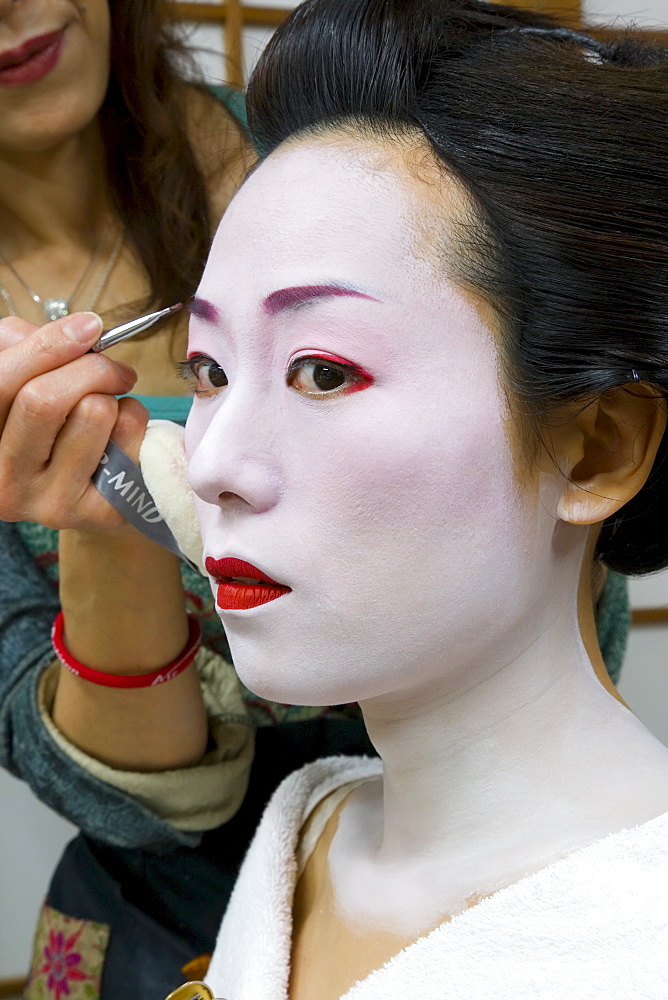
{"x":241,"y":585}
{"x":32,"y":60}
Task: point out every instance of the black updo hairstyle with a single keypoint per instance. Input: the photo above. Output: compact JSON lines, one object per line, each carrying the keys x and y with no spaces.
{"x":561,"y":142}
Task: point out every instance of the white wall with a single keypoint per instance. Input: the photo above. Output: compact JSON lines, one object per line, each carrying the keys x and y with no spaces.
{"x":208,"y":41}
{"x":645,"y":13}
{"x":31,"y":840}
{"x":644,"y":683}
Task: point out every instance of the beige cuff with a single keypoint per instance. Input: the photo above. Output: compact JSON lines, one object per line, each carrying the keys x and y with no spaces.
{"x":189,"y":798}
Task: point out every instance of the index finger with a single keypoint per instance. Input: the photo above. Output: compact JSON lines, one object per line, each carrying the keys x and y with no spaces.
{"x":46,"y":348}
{"x":14,"y":329}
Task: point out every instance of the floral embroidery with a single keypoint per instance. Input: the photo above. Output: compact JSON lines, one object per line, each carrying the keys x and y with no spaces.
{"x":62,"y":964}
{"x":68,"y":956}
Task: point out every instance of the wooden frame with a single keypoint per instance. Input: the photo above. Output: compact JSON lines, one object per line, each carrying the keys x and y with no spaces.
{"x":649,"y":616}
{"x":12,"y":987}
{"x":232,"y":16}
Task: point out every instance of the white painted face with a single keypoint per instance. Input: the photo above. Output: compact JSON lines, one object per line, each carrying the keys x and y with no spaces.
{"x":379,"y":484}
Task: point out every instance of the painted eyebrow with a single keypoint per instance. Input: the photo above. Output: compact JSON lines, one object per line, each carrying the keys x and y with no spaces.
{"x":203,"y":309}
{"x":289,"y":298}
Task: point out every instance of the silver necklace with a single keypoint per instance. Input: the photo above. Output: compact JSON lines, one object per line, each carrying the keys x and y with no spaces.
{"x":57,"y":308}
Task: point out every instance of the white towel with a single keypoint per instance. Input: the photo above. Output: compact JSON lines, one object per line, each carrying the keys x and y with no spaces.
{"x":592,"y":926}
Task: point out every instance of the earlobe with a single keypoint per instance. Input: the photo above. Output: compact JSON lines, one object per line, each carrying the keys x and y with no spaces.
{"x":606,"y":451}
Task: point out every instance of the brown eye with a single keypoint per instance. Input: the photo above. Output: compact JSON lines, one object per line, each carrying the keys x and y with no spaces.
{"x":313,"y":376}
{"x":208,"y":375}
{"x":326,"y":378}
{"x":212,"y":374}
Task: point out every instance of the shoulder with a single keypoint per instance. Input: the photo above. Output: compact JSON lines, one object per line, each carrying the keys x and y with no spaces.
{"x":275,"y":845}
{"x":258,"y":919}
{"x":302,"y":791}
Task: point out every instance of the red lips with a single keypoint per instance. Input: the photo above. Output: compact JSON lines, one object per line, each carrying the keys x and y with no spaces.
{"x":30,"y":61}
{"x":242,"y":585}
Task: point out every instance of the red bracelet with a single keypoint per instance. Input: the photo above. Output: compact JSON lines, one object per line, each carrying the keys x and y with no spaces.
{"x":167,"y":673}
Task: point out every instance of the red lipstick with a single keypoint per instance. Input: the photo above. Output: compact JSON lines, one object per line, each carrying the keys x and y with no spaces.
{"x":30,"y":61}
{"x":241,"y":585}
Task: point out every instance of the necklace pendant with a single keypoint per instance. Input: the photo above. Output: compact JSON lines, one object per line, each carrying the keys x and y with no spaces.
{"x":55,"y":308}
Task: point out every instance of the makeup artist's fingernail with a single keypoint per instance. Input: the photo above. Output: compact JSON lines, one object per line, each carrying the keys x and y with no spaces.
{"x":82,"y":327}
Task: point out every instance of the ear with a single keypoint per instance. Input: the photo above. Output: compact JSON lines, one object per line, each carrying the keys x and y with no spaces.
{"x":606,"y":451}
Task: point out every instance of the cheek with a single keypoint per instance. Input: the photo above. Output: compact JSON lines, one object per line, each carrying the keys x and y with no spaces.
{"x":196,"y":425}
{"x":85,"y":65}
{"x":208,"y":519}
{"x":413,"y":498}
{"x":446,"y":455}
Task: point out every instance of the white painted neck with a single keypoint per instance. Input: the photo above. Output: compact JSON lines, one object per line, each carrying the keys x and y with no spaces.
{"x":505,"y":765}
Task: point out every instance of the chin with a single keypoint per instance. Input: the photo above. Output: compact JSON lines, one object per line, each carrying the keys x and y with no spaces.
{"x":281,"y":662}
{"x":289,"y":680}
{"x":48,"y":129}
{"x":277,"y":683}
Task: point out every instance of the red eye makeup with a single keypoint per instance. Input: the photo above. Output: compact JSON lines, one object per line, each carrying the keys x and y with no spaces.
{"x":325,"y":374}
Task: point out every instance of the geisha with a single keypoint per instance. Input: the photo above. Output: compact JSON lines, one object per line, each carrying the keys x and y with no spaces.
{"x":430,"y":351}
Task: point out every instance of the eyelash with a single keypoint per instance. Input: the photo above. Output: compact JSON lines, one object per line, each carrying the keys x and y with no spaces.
{"x":355,"y":378}
{"x":189,"y":371}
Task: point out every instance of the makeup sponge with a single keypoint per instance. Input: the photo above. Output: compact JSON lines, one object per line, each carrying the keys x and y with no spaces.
{"x":163,"y":464}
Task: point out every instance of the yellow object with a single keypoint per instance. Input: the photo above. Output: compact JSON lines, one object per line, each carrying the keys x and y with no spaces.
{"x":197,"y":968}
{"x":191,"y":991}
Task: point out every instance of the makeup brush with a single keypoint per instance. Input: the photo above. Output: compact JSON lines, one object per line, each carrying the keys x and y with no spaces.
{"x":132,"y":328}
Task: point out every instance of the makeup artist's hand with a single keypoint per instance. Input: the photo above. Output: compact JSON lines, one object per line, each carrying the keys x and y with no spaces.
{"x":57,"y":412}
{"x":121,"y":594}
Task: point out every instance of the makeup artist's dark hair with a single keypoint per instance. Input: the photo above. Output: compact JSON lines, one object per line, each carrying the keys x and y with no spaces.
{"x":158,"y":187}
{"x":562,"y":144}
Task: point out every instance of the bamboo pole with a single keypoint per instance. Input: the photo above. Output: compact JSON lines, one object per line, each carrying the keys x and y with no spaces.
{"x":234,"y":60}
{"x":208,"y":13}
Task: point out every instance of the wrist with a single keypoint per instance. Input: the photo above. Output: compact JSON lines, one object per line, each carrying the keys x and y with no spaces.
{"x":123,"y":602}
{"x":151,"y":678}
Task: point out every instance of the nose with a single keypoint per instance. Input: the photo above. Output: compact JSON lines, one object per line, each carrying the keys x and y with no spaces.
{"x":233,"y":458}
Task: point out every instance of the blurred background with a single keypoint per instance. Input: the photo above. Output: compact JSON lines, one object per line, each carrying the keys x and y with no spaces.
{"x":228,"y":38}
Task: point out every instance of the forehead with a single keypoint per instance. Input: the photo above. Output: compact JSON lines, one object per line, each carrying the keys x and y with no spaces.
{"x":335,"y":207}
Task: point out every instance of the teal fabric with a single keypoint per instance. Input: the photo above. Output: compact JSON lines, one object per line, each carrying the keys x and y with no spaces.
{"x":613,"y":620}
{"x":42,"y":544}
{"x":234,"y":101}
{"x":174,"y":408}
